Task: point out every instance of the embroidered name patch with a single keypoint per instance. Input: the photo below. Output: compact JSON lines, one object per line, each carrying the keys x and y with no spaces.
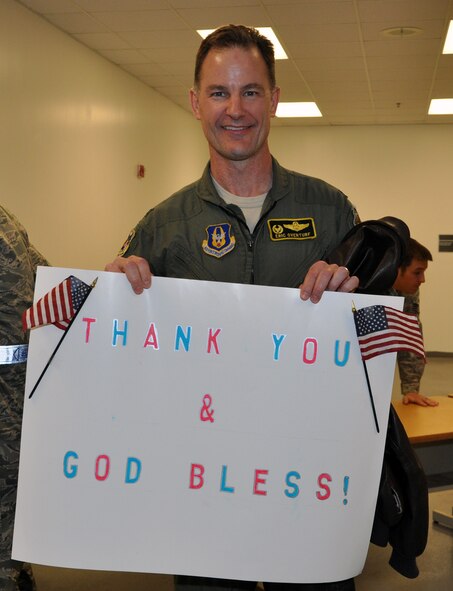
{"x":219,"y":241}
{"x":292,"y":229}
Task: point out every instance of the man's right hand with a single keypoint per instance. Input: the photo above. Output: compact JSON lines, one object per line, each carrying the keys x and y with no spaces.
{"x":136,"y":269}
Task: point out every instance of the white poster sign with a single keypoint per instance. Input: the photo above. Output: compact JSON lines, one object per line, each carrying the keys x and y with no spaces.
{"x":202,"y":428}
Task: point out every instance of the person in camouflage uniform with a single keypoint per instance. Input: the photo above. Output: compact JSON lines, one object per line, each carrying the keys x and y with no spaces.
{"x":18,"y":262}
{"x":410,"y":276}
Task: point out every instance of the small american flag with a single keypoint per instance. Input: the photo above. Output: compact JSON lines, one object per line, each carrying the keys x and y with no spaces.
{"x":381,"y":329}
{"x":59,"y":306}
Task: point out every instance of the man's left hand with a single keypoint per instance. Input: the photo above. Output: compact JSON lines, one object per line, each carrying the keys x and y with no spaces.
{"x":323,"y":277}
{"x":419,"y":399}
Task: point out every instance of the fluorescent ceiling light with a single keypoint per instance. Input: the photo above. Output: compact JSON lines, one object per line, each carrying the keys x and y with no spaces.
{"x":298,"y":110}
{"x":441,"y":107}
{"x":279,"y":52}
{"x":448,"y":47}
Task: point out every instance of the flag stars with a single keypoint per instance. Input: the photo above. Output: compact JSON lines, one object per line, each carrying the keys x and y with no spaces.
{"x":371,"y":319}
{"x":79,"y":291}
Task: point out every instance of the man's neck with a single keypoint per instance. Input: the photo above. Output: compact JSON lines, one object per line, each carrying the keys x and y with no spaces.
{"x":246,"y":178}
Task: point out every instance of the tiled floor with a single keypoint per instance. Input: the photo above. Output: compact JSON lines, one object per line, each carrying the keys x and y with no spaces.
{"x":436,"y":563}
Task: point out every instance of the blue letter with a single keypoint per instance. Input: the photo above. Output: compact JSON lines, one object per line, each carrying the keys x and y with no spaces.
{"x":347,"y":346}
{"x":292,"y":493}
{"x":277,"y":342}
{"x":223,"y":486}
{"x":138,"y":468}
{"x":70,"y":471}
{"x":185,"y":338}
{"x":117,"y":332}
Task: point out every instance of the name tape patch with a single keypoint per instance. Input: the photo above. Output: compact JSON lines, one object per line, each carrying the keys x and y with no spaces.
{"x":292,"y":229}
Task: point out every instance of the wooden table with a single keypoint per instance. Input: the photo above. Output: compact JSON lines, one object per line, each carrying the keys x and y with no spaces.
{"x":428,"y":424}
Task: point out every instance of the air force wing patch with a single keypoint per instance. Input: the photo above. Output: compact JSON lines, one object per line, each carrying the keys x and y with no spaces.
{"x":220,"y":241}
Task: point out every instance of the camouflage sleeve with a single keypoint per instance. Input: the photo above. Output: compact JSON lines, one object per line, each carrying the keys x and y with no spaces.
{"x":18,"y":260}
{"x":17,"y":279}
{"x":411,"y":366}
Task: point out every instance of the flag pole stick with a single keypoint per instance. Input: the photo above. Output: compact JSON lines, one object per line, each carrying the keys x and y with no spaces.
{"x":62,"y":339}
{"x":373,"y":408}
{"x":371,"y":396}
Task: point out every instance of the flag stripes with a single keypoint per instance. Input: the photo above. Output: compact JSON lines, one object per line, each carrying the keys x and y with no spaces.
{"x":58,"y":306}
{"x":381,"y":329}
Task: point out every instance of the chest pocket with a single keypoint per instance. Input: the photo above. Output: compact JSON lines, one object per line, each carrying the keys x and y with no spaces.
{"x":303,"y":263}
{"x":285,"y":263}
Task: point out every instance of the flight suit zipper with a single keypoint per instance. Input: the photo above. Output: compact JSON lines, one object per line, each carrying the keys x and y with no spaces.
{"x":250,"y":247}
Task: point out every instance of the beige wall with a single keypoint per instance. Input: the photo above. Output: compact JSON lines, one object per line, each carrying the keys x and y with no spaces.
{"x":74,"y":127}
{"x":404,"y":171}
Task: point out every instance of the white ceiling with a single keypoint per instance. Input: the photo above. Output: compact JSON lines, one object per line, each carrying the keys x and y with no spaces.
{"x":338,"y":56}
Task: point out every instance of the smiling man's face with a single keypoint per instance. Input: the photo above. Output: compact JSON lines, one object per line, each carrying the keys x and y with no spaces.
{"x":235,"y":103}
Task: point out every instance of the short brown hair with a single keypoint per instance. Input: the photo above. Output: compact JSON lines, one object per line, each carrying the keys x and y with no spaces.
{"x":416,"y":251}
{"x":236,"y":36}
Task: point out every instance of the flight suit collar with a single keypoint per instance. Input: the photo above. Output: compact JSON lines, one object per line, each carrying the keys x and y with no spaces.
{"x":280,"y":186}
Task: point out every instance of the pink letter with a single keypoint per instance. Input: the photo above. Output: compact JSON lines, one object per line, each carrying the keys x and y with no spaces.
{"x":323,"y":496}
{"x":151,"y":337}
{"x":196,"y":472}
{"x":314,"y":342}
{"x":212,"y":340}
{"x":106,"y":469}
{"x":87,"y":332}
{"x":258,"y":481}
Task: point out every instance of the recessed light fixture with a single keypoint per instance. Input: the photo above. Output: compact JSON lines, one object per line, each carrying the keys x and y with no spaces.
{"x":306,"y":109}
{"x":441,"y":107}
{"x":448,"y":47}
{"x":279,"y":52}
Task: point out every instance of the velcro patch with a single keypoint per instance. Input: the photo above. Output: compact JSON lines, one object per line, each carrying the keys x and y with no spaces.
{"x":126,"y":245}
{"x":220,"y":240}
{"x":292,"y":229}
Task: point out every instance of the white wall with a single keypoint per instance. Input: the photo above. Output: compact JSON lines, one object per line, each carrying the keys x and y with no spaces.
{"x":404,"y":171}
{"x":73,"y":129}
